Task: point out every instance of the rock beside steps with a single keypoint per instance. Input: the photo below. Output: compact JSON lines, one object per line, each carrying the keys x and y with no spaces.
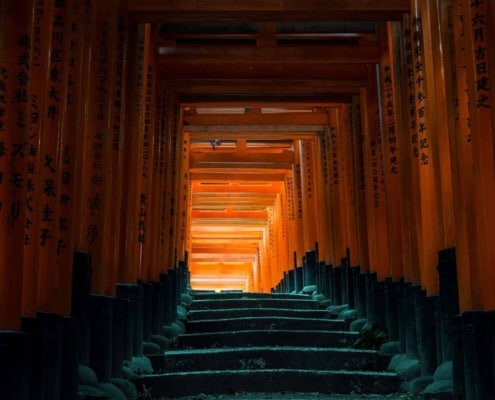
{"x":262,"y":343}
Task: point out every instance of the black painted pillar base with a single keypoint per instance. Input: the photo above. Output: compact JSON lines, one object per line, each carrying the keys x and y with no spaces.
{"x":379,"y":307}
{"x":344,"y":281}
{"x":391,"y":310}
{"x":291,"y":280}
{"x":353,"y":287}
{"x":15,"y":368}
{"x":337,"y":285}
{"x":125,"y":294}
{"x":299,"y":279}
{"x":100,"y":359}
{"x":139,"y":327}
{"x":46,"y":331}
{"x":147,"y":310}
{"x":449,"y":299}
{"x":361,"y":296}
{"x":458,"y":358}
{"x":426,"y":331}
{"x":478,"y":357}
{"x":401,"y":314}
{"x":81,"y":290}
{"x":409,"y":314}
{"x":158,"y":307}
{"x":370,"y":296}
{"x":118,"y":336}
{"x":70,"y":361}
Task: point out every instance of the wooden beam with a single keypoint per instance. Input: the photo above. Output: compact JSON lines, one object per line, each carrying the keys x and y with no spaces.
{"x":266,"y":10}
{"x":275,"y":55}
{"x":302,"y":118}
{"x":297,"y":69}
{"x":284,"y":157}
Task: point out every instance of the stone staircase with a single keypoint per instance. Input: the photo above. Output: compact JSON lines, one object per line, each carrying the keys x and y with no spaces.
{"x":265,"y":343}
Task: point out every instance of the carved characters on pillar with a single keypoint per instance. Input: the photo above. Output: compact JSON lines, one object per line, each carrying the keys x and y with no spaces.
{"x":391,"y":145}
{"x":424,"y":152}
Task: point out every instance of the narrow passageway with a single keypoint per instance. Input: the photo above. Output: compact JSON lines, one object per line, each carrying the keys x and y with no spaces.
{"x":155,"y":150}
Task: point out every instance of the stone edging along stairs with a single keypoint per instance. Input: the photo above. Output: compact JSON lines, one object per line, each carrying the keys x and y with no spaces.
{"x":271,"y":343}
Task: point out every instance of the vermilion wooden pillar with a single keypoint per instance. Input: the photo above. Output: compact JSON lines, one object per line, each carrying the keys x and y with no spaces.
{"x":158,"y":228}
{"x":409,"y":147}
{"x":298,"y":205}
{"x":66,"y":186}
{"x":359,"y":185}
{"x":51,"y":135}
{"x":467,"y":255}
{"x":481,"y":74}
{"x":292,"y":232}
{"x":41,"y":14}
{"x":117,"y":135}
{"x":376,"y":202}
{"x":131,"y":236}
{"x":15,"y":26}
{"x":390,"y":150}
{"x":349,"y":195}
{"x":149,"y":173}
{"x":310,"y":226}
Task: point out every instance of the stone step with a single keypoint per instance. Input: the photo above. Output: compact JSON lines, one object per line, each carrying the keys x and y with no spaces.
{"x":246,"y":295}
{"x":254,"y":303}
{"x":263,"y":337}
{"x":269,"y":380}
{"x":195,"y":315}
{"x":268,"y":323}
{"x":277,"y":357}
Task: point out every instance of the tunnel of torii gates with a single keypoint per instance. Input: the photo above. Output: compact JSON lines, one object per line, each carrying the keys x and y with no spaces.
{"x":236,"y":153}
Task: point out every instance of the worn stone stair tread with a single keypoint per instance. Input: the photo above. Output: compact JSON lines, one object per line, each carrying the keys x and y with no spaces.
{"x":239,"y":295}
{"x":272,"y":357}
{"x":254,"y":303}
{"x":269,"y":323}
{"x":195,"y":315}
{"x":269,"y":380}
{"x":282,"y":337}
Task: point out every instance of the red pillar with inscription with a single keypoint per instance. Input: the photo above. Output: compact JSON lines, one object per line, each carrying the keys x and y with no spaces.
{"x":15,"y":25}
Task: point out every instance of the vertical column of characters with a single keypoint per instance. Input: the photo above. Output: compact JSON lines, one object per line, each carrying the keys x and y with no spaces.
{"x":440,"y":107}
{"x":15,"y":45}
{"x":290,"y":215}
{"x":359,"y":184}
{"x":184,"y":187}
{"x":64,"y":229}
{"x":310,"y":227}
{"x":410,"y":149}
{"x":283,"y":255}
{"x":323,"y":182}
{"x":390,"y":149}
{"x":346,"y":188}
{"x":430,"y":226}
{"x":174,"y":183}
{"x":168,"y":250}
{"x":335,"y":175}
{"x":50,"y":151}
{"x":467,"y":256}
{"x":159,"y":168}
{"x":82,"y":128}
{"x":114,"y":146}
{"x":41,"y":15}
{"x":375,"y":185}
{"x":97,"y":181}
{"x":480,"y":55}
{"x":298,"y":202}
{"x":131,"y":242}
{"x":402,"y":141}
{"x":148,"y":172}
{"x":162,"y":188}
{"x":177,"y":173}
